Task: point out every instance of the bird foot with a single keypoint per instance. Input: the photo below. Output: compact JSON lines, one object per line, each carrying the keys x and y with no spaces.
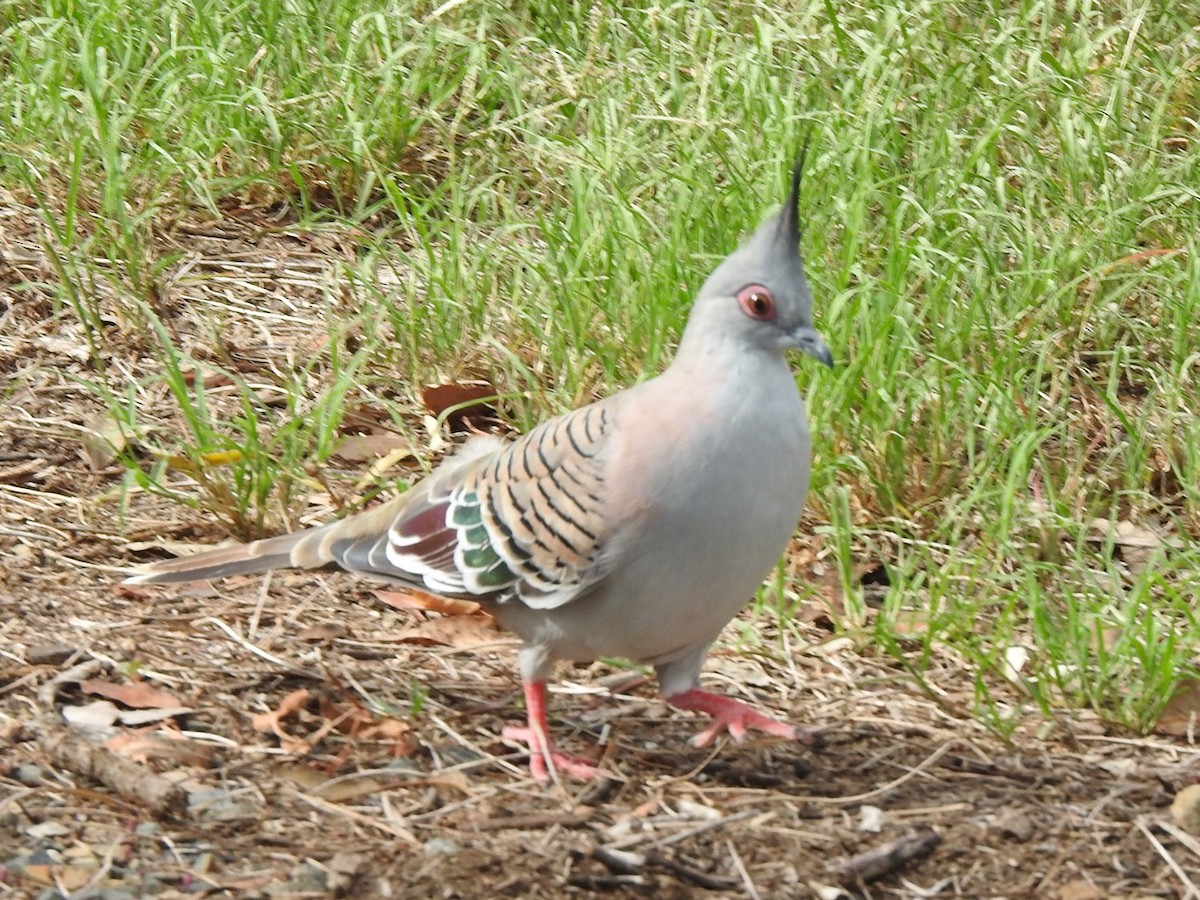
{"x":543,"y":756}
{"x":735,"y":717}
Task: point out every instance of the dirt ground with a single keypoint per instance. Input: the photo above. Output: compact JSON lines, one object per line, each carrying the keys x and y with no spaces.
{"x":303,"y":736}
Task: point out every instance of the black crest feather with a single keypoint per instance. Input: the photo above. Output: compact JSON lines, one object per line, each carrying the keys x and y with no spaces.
{"x":789,"y":221}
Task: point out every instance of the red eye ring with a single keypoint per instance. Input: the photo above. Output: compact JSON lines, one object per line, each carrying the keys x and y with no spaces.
{"x":757,"y":302}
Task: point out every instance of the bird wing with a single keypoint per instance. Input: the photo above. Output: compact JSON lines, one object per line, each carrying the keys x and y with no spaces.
{"x":525,"y":520}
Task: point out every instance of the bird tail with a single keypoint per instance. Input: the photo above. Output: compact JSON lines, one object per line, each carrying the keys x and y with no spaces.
{"x":311,"y":548}
{"x":244,"y":559}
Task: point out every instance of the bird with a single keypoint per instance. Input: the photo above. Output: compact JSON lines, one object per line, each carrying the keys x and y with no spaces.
{"x":636,"y":526}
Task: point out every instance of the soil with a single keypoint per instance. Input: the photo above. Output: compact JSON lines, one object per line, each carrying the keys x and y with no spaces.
{"x":303,"y":736}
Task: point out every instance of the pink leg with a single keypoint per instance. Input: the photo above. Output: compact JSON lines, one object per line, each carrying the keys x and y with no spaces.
{"x":545,"y":762}
{"x":734,"y":716}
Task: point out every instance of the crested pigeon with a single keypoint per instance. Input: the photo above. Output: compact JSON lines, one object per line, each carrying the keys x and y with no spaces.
{"x":636,"y":526}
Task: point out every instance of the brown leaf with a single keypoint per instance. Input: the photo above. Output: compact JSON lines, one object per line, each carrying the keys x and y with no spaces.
{"x":359,"y":721}
{"x":455,"y":631}
{"x":291,"y":704}
{"x":353,"y":788}
{"x":208,"y":378}
{"x":388,"y":729}
{"x":1140,"y":256}
{"x":139,"y":694}
{"x":414,"y":599}
{"x":464,"y":403}
{"x":145,"y":744}
{"x":1181,"y":716}
{"x":362,"y":447}
{"x":103,"y":440}
{"x":134,"y":592}
{"x":304,"y":777}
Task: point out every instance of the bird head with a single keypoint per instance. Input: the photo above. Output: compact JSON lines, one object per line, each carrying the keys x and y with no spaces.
{"x":758,"y":293}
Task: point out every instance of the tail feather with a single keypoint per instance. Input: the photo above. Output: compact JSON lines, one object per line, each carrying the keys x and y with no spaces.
{"x":311,"y":548}
{"x":244,"y":559}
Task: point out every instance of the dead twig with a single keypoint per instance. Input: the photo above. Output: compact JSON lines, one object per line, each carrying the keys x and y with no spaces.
{"x":125,"y":777}
{"x":535,"y":821}
{"x":706,"y":880}
{"x":886,"y":858}
{"x":1172,"y":863}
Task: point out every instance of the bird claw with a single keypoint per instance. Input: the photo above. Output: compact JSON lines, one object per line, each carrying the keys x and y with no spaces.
{"x":735,"y":717}
{"x":543,"y":757}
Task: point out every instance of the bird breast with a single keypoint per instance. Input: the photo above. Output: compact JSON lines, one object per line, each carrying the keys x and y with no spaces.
{"x":704,"y":506}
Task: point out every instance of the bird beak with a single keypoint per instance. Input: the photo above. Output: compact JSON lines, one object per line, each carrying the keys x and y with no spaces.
{"x":809,"y":340}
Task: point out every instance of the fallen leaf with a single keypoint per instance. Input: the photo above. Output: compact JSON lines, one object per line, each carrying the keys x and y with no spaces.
{"x":413,"y":599}
{"x":461,"y":404}
{"x":1128,"y":534}
{"x":455,"y":779}
{"x":1140,"y":256}
{"x":103,"y":441}
{"x":99,"y":715}
{"x":454,"y":631}
{"x":304,"y":777}
{"x":289,"y":706}
{"x":208,"y":378}
{"x":362,"y":447}
{"x":1181,"y":715}
{"x":351,"y":789}
{"x":145,"y":744}
{"x":132,"y":591}
{"x":139,"y":694}
{"x":361,"y":722}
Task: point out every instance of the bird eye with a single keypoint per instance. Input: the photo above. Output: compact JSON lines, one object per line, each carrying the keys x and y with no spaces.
{"x":756,"y":302}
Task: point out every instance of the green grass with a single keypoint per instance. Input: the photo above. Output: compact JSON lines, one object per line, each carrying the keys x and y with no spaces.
{"x":1002,"y":217}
